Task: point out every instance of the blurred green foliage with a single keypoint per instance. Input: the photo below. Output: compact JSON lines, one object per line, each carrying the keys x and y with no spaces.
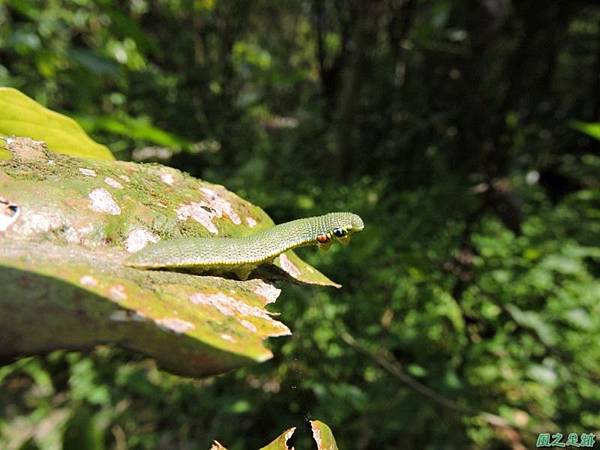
{"x":469,"y":316}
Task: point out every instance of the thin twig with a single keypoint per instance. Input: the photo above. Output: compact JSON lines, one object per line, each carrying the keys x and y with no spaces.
{"x":392,"y":367}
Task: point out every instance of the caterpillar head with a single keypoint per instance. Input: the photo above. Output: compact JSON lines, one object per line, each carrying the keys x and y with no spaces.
{"x":339,"y":227}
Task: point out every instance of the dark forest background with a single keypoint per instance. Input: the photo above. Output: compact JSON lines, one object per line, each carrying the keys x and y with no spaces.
{"x":461,"y":131}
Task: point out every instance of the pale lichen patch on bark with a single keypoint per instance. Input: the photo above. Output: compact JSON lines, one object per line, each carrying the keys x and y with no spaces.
{"x":88,"y":172}
{"x":227,"y":337}
{"x":138,"y":238}
{"x":221,"y":205}
{"x":198,"y":212}
{"x":174,"y":324}
{"x":231,"y":307}
{"x":269,"y":292}
{"x":88,"y":280}
{"x":123,"y":315}
{"x":103,"y":202}
{"x":113,"y":183}
{"x":248,"y":326}
{"x":228,"y":306}
{"x":34,"y":222}
{"x":76,"y":235}
{"x":167,"y":178}
{"x":117,"y":292}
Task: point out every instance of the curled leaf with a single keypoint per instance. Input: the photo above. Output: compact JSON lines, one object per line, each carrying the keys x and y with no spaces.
{"x":323,"y":436}
{"x":20,"y":115}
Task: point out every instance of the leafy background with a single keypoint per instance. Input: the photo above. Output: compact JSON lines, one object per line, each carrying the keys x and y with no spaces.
{"x":462,"y":132}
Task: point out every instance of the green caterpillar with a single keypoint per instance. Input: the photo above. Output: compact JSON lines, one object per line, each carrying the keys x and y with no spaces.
{"x":241,"y":255}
